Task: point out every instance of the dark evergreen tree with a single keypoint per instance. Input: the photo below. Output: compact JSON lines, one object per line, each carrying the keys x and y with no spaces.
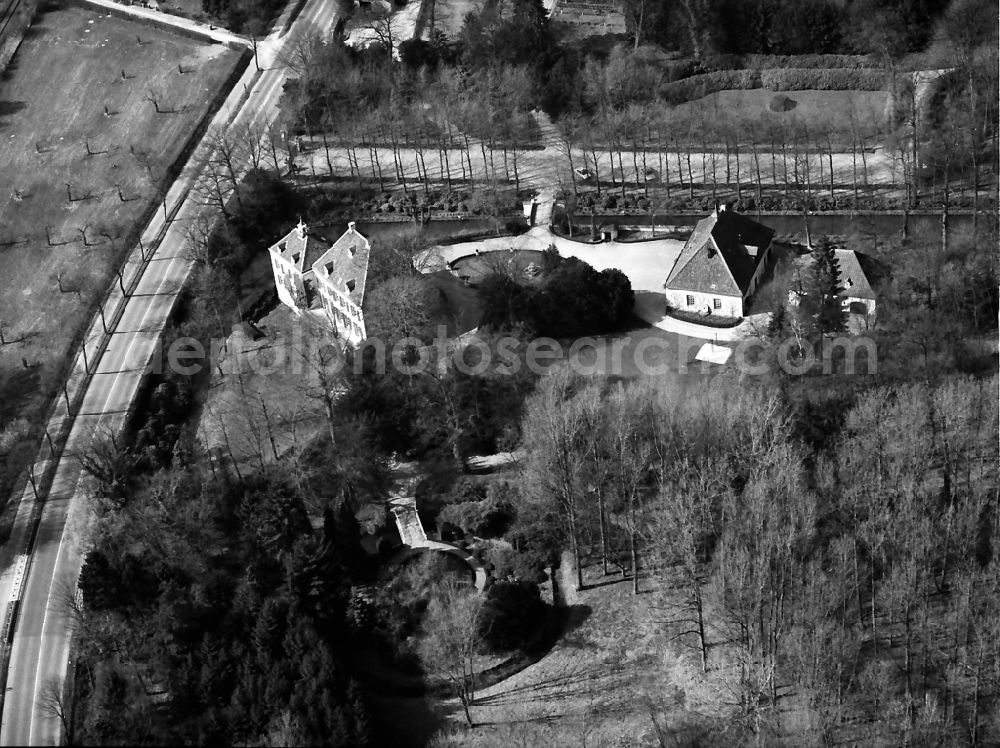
{"x":820,"y":307}
{"x":826,"y":287}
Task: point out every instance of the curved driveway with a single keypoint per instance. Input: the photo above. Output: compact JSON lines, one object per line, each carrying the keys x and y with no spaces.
{"x":646,"y":263}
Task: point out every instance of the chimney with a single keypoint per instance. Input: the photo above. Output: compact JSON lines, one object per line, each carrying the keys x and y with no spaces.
{"x":350,"y":227}
{"x":301,"y":229}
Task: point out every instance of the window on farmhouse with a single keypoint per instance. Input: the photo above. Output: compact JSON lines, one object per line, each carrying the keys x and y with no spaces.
{"x":690,"y":300}
{"x":717,"y":303}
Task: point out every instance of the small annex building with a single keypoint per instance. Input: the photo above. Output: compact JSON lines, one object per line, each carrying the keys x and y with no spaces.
{"x":857,"y":296}
{"x":720,"y":265}
{"x":325,"y":280}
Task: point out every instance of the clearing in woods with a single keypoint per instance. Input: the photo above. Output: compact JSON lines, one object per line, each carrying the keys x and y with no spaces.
{"x":84,"y":158}
{"x":841,"y":113}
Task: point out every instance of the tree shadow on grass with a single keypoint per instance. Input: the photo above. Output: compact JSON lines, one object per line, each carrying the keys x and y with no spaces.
{"x":19,"y":386}
{"x":561,"y":623}
{"x":37,"y":31}
{"x":8,"y":108}
{"x":407,"y":721}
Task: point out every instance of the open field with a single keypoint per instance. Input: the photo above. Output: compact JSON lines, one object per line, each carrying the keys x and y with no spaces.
{"x":840,"y":111}
{"x":73,"y":194}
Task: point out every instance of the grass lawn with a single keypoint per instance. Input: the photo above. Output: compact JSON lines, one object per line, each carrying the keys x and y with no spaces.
{"x":642,"y":352}
{"x":52,"y":103}
{"x":611,"y":670}
{"x":816,"y":110}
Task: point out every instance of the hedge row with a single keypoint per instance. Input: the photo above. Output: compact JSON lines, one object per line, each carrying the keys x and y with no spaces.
{"x":708,"y":83}
{"x":810,"y":62}
{"x":830,"y":79}
{"x":778,"y":79}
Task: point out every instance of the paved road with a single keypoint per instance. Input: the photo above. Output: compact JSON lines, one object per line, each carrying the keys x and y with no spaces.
{"x":41,"y":644}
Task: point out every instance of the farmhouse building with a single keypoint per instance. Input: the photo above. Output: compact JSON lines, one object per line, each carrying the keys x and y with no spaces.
{"x":857,"y":296}
{"x":324,"y":280}
{"x":720,"y":266}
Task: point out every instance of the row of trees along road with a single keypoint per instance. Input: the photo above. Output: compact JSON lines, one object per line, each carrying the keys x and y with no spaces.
{"x":852,"y":579}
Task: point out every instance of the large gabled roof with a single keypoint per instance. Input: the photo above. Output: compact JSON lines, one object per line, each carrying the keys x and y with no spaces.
{"x":345,"y":264}
{"x":853,"y":278}
{"x":705,"y":270}
{"x":715,"y":257}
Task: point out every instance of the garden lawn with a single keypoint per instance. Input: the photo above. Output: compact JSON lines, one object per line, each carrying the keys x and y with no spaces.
{"x":52,"y":103}
{"x":816,"y":110}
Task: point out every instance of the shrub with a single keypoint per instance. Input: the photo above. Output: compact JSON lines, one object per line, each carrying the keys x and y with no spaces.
{"x":508,"y":565}
{"x":781,"y":104}
{"x":571,"y":299}
{"x":486,"y":518}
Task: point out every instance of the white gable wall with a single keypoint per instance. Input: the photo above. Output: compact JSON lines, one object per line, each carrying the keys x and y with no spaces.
{"x":288,"y":281}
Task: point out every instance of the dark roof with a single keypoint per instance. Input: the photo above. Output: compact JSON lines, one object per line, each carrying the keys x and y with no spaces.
{"x":715,"y":258}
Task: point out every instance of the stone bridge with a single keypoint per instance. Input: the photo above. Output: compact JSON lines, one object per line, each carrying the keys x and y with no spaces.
{"x":411,"y":531}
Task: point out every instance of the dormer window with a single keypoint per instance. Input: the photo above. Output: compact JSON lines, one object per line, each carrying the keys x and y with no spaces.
{"x":328,"y":268}
{"x":353,"y":249}
{"x":295,"y":257}
{"x":282,"y":247}
{"x":350,"y":285}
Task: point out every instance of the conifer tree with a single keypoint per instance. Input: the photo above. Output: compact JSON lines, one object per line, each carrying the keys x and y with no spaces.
{"x":821,"y":302}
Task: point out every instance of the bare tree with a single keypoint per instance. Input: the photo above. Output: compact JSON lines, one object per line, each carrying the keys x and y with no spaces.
{"x":385,"y":29}
{"x":300,"y":57}
{"x":630,"y":458}
{"x":154,"y":97}
{"x":52,"y":701}
{"x":110,"y":463}
{"x":449,"y":645}
{"x":228,"y":154}
{"x":552,"y":428}
{"x":197,"y":238}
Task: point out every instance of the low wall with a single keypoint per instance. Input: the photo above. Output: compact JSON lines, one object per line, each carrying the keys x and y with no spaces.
{"x":164,"y":25}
